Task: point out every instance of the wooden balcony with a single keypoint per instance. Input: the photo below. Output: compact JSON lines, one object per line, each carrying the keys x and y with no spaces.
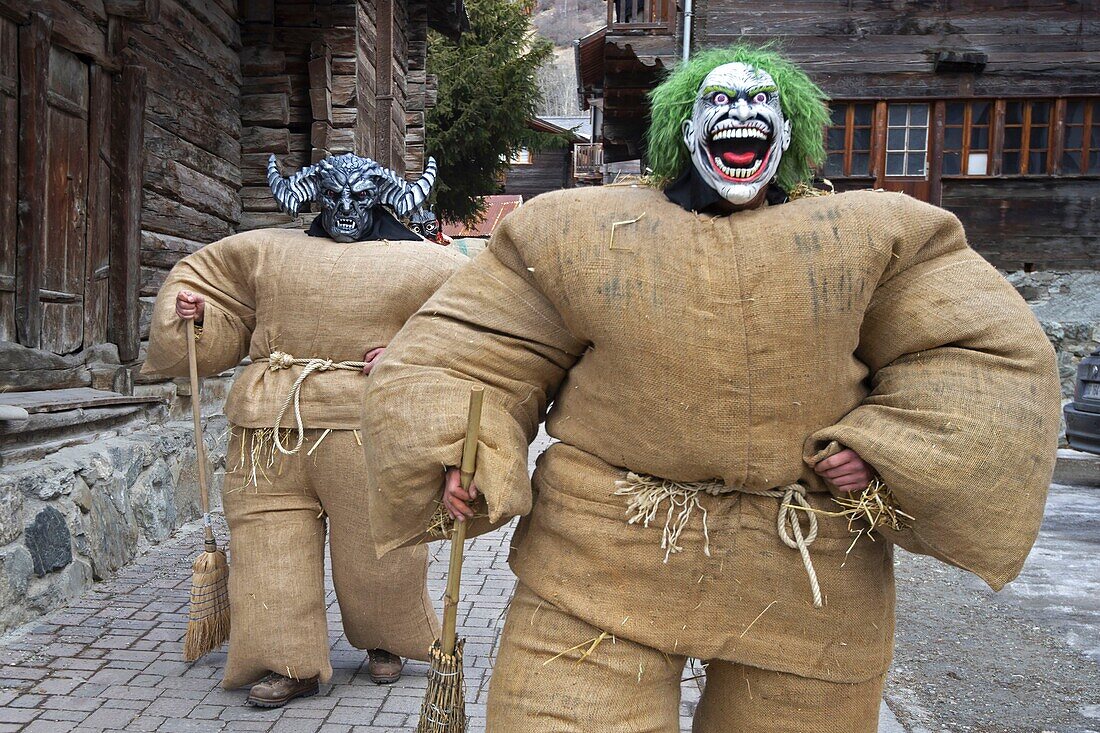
{"x":656,"y":17}
{"x":588,"y":162}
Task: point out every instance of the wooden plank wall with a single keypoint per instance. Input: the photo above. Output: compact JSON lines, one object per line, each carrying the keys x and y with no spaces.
{"x":192,"y":131}
{"x":871,"y":48}
{"x":1052,"y":222}
{"x":298,"y":97}
{"x":549,"y":170}
{"x":397,"y":29}
{"x":129,"y":158}
{"x":421,"y":88}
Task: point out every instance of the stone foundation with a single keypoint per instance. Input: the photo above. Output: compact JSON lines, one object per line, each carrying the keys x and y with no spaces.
{"x":83,"y":512}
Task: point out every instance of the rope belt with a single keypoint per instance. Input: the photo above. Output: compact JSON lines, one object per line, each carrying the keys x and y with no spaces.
{"x":648,"y":493}
{"x":281,"y":360}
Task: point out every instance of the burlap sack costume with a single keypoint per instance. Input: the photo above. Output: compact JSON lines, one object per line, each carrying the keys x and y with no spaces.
{"x":734,"y":349}
{"x":282,"y":298}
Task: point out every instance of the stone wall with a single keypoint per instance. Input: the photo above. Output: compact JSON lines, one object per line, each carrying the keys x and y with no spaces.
{"x":1067,"y":305}
{"x":85,"y":511}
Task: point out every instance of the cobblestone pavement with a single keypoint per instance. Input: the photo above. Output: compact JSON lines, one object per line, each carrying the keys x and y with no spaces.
{"x":111,"y":661}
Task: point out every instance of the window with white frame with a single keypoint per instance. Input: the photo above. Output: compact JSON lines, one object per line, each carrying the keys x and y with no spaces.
{"x":907,"y":140}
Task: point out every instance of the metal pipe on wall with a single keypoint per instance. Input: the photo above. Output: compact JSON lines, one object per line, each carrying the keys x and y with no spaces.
{"x":687,"y":29}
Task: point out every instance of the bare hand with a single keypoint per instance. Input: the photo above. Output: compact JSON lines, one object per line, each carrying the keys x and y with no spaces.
{"x":846,"y":471}
{"x":371,"y":358}
{"x":190,"y":306}
{"x":455,"y":500}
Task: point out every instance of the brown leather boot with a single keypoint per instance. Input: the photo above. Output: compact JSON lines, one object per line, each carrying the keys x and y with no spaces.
{"x":383,"y":668}
{"x":275,"y":690}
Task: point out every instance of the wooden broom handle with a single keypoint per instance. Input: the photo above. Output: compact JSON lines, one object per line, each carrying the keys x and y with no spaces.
{"x":458,"y":534}
{"x":200,"y":447}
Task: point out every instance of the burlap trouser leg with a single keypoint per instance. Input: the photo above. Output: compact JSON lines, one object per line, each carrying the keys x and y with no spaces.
{"x":276,"y":569}
{"x":624,"y":687}
{"x":621,"y":687}
{"x":384,"y":603}
{"x":740,"y":699}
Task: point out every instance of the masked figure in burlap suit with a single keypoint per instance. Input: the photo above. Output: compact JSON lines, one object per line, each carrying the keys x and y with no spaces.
{"x":727,"y":358}
{"x":305,"y":307}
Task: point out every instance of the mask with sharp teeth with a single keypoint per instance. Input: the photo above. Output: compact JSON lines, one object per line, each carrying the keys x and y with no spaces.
{"x":348,"y":189}
{"x":737,"y":133}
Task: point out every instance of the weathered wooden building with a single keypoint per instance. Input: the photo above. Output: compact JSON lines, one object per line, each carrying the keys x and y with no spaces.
{"x":532,"y":172}
{"x":990,"y":109}
{"x":133,"y":132}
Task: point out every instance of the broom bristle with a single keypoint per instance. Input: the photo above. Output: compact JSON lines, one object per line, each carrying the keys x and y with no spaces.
{"x":444,"y":708}
{"x":208,"y":624}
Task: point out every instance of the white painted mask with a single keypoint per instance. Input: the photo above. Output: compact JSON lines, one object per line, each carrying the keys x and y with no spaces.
{"x":737,"y":133}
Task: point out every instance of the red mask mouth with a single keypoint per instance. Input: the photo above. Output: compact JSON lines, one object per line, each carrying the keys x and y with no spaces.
{"x":739,"y":153}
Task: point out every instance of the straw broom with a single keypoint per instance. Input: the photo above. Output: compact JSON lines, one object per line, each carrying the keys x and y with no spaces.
{"x":208,"y":622}
{"x":444,"y":708}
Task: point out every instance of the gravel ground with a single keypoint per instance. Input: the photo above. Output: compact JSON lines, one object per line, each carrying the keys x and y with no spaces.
{"x":1024,"y":659}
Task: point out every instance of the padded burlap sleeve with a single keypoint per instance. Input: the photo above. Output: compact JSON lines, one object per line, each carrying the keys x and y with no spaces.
{"x":221,"y":273}
{"x":488,"y":325}
{"x":963,"y":419}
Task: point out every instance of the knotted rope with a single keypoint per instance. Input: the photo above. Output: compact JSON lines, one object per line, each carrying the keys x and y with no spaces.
{"x":648,"y":493}
{"x":281,"y":360}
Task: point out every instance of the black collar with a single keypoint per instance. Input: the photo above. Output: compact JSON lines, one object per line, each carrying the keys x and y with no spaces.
{"x":691,"y":192}
{"x":385,"y":226}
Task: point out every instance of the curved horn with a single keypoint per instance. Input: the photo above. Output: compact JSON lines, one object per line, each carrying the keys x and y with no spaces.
{"x":404,"y":197}
{"x":293,"y":191}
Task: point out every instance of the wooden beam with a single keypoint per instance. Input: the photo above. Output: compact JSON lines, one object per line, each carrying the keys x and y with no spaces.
{"x":265,"y":140}
{"x":15,"y":10}
{"x":265,"y":110}
{"x":935,"y":152}
{"x":97,"y":262}
{"x":1057,"y":137}
{"x":320,"y":101}
{"x":76,"y":31}
{"x":34,"y":75}
{"x":319,"y":133}
{"x":878,"y":144}
{"x":320,"y":70}
{"x":128,"y":118}
{"x":141,"y":11}
{"x":383,"y":95}
{"x":997,"y":136}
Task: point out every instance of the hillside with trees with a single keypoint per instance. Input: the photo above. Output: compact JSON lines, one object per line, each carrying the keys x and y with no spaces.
{"x":561,"y":22}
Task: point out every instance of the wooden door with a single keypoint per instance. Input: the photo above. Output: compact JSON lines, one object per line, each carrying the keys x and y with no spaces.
{"x":64,"y":261}
{"x":903,"y":154}
{"x":9,"y":173}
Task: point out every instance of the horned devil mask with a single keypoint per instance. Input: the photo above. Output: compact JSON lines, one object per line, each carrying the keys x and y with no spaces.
{"x":348,"y":188}
{"x":737,"y":132}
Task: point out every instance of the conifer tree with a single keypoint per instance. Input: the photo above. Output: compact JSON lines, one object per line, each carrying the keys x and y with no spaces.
{"x":488,"y":90}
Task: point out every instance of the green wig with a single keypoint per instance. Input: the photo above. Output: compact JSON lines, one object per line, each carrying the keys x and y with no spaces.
{"x":804,"y":106}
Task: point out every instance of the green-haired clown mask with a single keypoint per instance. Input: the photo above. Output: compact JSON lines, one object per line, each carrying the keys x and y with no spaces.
{"x":737,"y":132}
